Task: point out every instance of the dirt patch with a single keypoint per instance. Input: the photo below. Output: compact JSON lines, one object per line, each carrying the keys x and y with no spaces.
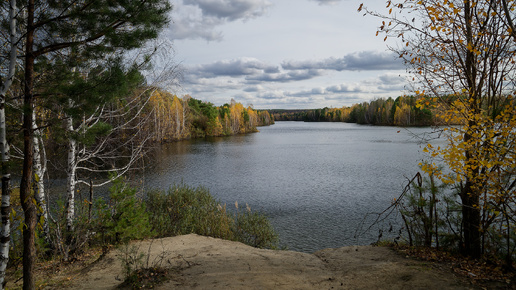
{"x":196,"y":262}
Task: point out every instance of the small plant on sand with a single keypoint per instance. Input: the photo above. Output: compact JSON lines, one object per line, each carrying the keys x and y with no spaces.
{"x":139,"y":270}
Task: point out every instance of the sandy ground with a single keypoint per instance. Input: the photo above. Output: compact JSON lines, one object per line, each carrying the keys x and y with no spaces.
{"x":197,"y":262}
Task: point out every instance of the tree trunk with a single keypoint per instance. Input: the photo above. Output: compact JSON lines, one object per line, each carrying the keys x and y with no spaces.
{"x":178,"y":123}
{"x":71,"y":180}
{"x":470,"y":196}
{"x":39,"y":172}
{"x":470,"y":193}
{"x":5,"y":209}
{"x":90,"y":204}
{"x":183,"y":119}
{"x":471,"y":221}
{"x":26,"y":197}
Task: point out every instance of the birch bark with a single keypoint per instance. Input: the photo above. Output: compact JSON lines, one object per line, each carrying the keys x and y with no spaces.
{"x":5,"y":208}
{"x":39,"y":173}
{"x":71,"y":178}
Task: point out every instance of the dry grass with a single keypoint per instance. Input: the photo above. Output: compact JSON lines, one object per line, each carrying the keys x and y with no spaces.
{"x":56,"y":273}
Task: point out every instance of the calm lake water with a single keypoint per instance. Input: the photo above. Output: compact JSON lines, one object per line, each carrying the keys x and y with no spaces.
{"x":315,"y":181}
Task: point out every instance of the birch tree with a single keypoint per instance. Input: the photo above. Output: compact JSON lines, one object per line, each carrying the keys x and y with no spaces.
{"x":40,"y":168}
{"x":95,"y":28}
{"x":462,"y":57}
{"x":4,"y":147}
{"x":104,"y":123}
{"x":95,"y":141}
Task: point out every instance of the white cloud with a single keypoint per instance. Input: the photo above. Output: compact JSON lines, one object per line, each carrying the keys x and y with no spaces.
{"x":200,"y":19}
{"x":343,"y":88}
{"x":231,"y":9}
{"x":191,"y":25}
{"x":327,"y":2}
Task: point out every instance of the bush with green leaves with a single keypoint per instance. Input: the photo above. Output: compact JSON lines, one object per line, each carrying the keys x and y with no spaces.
{"x":122,"y":217}
{"x":254,"y":229}
{"x":186,"y":210}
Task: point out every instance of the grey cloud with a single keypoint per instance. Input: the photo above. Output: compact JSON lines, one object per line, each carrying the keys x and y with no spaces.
{"x":253,"y":89}
{"x":318,"y":91}
{"x":365,"y":60}
{"x":202,"y":85}
{"x":391,"y":79}
{"x":231,"y":9}
{"x":234,"y":68}
{"x":274,"y":95}
{"x":328,"y":91}
{"x":291,"y":76}
{"x":392,"y":88}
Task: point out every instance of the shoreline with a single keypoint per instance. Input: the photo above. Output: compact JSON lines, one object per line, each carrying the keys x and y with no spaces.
{"x":198,"y":262}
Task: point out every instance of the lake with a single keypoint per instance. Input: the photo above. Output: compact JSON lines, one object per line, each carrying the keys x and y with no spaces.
{"x":315,"y":181}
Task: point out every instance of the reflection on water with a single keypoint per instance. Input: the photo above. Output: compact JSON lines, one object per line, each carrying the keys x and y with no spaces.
{"x":316,"y":181}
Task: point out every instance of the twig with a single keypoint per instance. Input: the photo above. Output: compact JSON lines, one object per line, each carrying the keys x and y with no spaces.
{"x":382,"y":216}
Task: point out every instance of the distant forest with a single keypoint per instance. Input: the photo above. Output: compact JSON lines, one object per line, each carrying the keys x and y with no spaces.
{"x":184,"y":118}
{"x":402,"y":111}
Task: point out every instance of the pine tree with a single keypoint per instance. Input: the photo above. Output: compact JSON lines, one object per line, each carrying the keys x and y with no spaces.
{"x":89,"y":30}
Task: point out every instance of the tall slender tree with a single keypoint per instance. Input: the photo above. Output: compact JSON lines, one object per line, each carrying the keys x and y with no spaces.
{"x":462,"y":57}
{"x":92,"y":29}
{"x":5,"y":208}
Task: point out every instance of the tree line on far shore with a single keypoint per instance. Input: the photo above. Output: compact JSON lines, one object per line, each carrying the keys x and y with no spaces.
{"x":401,"y":111}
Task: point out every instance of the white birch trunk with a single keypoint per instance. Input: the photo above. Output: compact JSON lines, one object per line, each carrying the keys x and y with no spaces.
{"x":5,"y":209}
{"x":183,"y":120}
{"x":156,"y":123}
{"x":178,"y":123}
{"x":5,"y":230}
{"x":71,"y":176}
{"x":39,"y":172}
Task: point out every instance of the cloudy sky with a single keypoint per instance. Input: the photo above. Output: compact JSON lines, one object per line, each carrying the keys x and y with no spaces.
{"x":282,"y":53}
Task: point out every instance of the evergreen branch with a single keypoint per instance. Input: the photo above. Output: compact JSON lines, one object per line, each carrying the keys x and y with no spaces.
{"x":58,"y":46}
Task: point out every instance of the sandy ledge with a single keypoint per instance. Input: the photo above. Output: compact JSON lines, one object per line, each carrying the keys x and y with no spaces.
{"x":198,"y":262}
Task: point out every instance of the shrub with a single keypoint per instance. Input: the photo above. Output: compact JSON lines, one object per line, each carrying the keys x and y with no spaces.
{"x":254,"y":229}
{"x":430,"y":214}
{"x":123,"y":217}
{"x":186,"y":210}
